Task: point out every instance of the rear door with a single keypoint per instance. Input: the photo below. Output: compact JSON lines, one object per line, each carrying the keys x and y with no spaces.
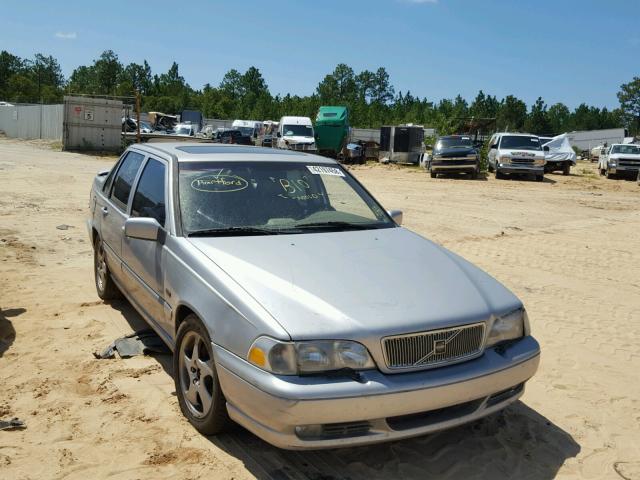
{"x":144,"y":259}
{"x":114,"y":210}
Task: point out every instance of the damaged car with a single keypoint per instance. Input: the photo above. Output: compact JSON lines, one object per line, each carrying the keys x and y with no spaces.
{"x":295,"y":304}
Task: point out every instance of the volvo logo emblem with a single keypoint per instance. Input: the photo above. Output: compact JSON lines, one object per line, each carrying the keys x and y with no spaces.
{"x":439,"y":347}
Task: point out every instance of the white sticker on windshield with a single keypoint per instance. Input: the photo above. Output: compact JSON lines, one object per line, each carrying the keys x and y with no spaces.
{"x":318,"y":170}
{"x":534,"y":139}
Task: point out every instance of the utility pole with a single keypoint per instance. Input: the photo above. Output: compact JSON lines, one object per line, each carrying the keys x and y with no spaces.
{"x":138,"y":116}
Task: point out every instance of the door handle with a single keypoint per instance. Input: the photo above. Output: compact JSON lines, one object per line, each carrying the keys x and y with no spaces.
{"x":105,"y":210}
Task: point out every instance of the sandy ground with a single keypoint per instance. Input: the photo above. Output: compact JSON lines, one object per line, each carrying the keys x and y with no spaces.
{"x":568,"y":247}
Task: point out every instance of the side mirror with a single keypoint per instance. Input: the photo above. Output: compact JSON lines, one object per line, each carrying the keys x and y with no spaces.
{"x":142,"y":228}
{"x":545,"y":148}
{"x":494,"y":146}
{"x":396,"y":216}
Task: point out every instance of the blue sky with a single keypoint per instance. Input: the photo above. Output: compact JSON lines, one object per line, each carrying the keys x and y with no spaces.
{"x":564,"y":51}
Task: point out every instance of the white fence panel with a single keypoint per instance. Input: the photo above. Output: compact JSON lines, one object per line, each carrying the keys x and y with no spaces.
{"x":32,"y":121}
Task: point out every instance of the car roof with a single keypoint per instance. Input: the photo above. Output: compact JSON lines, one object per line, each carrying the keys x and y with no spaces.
{"x":207,"y":152}
{"x":514,"y":134}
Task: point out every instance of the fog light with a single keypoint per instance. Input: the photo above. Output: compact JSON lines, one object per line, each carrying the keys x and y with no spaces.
{"x":308,"y":431}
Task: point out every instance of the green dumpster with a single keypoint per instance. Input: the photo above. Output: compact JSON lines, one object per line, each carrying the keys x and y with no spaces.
{"x":331,"y":130}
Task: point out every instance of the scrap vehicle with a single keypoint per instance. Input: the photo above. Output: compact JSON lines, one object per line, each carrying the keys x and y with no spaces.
{"x":267,"y":133}
{"x":249,"y":128}
{"x":184,"y":130}
{"x":620,"y":160}
{"x":516,"y":153}
{"x":560,"y":156}
{"x":402,"y":144}
{"x":242,"y":260}
{"x":354,"y":153}
{"x":296,"y":133}
{"x":130,"y":125}
{"x":331,"y":130}
{"x":161,"y":122}
{"x":454,"y":154}
{"x":234,"y":136}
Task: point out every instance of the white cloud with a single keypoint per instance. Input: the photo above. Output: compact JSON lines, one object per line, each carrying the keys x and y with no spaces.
{"x":66,"y":35}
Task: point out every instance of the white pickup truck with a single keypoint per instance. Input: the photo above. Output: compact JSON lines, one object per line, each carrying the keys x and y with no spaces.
{"x":620,"y":159}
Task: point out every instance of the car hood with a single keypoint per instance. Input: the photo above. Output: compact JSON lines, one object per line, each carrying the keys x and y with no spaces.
{"x":455,"y":152}
{"x":358,"y":284}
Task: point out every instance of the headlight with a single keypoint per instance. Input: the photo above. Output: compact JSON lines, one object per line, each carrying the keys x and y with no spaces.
{"x":294,"y":358}
{"x":508,"y":327}
{"x":505,"y":159}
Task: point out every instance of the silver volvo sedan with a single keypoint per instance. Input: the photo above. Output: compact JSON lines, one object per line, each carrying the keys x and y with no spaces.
{"x":296,"y":305}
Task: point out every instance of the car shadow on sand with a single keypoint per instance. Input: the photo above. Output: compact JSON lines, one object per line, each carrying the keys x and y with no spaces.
{"x":7,"y":331}
{"x":515,"y":443}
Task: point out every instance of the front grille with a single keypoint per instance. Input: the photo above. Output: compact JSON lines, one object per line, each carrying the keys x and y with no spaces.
{"x":522,"y":161}
{"x":434,"y":347}
{"x":299,"y":146}
{"x":456,"y":162}
{"x":629,"y":162}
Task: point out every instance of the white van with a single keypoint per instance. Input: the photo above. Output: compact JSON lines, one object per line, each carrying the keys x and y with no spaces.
{"x":248,"y":128}
{"x":296,"y":133}
{"x":512,"y":153}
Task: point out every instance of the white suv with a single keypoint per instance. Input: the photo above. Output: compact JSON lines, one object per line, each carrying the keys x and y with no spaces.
{"x":516,"y":153}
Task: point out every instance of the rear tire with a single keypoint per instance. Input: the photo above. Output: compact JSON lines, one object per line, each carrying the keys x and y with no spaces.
{"x":196,"y":379}
{"x":105,"y":286}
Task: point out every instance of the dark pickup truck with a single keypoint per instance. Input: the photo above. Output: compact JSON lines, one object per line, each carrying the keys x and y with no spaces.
{"x":454,"y":154}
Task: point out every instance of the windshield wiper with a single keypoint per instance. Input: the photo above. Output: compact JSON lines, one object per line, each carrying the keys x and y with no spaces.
{"x":232,"y":231}
{"x":337,"y":224}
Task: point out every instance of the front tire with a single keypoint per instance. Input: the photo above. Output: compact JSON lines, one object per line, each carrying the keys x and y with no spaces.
{"x":539,"y":178}
{"x":566,"y":169}
{"x":609,"y":175}
{"x":499,"y":175}
{"x":105,"y":286}
{"x":199,"y":394}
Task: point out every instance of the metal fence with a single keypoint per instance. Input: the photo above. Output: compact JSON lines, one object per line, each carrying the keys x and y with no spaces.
{"x":32,"y":121}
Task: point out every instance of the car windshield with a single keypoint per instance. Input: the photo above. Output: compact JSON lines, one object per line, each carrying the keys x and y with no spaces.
{"x":626,"y":149}
{"x":297,"y":131}
{"x":453,"y":142}
{"x":520,"y":142}
{"x":217,"y":198}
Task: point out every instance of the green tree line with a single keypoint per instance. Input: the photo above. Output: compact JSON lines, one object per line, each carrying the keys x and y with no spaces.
{"x":370,"y":96}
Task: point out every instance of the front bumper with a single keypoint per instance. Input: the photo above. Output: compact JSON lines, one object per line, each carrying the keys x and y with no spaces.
{"x":451,"y":166}
{"x":378,"y":408}
{"x":624,"y":169}
{"x":525,"y":169}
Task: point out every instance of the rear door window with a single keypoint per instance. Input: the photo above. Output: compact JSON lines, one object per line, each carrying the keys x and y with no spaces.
{"x":149,"y":199}
{"x":124,"y":179}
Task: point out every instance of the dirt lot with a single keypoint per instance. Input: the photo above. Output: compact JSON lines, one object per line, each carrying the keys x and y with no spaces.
{"x":569,"y":247}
